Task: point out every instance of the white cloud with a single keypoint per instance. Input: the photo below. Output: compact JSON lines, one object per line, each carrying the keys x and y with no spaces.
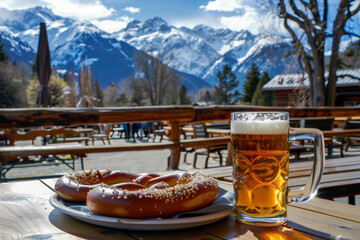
{"x":222,"y":5}
{"x":191,"y":22}
{"x":84,"y":10}
{"x":111,"y":26}
{"x":255,"y":16}
{"x":18,"y":4}
{"x":78,"y":9}
{"x":132,"y":9}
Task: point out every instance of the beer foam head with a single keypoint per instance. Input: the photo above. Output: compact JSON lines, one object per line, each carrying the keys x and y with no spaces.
{"x":260,"y":123}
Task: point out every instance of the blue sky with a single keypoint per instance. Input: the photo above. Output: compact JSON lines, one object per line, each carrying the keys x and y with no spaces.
{"x":112,"y":15}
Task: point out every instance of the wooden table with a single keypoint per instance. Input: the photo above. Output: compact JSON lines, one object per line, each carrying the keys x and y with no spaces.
{"x":26,"y":213}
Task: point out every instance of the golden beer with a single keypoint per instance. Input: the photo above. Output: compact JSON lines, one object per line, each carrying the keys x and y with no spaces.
{"x":261,"y":164}
{"x":260,"y":150}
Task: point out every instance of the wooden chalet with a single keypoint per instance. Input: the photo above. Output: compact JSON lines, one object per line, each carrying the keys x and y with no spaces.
{"x":290,"y":89}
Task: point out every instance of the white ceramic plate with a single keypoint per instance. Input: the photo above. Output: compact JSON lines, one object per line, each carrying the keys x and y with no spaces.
{"x":80,"y":212}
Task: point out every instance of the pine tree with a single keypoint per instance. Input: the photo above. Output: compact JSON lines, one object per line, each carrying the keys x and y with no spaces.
{"x":3,"y":55}
{"x":259,"y":98}
{"x":252,"y":80}
{"x":184,"y":99}
{"x":224,"y":92}
{"x":11,"y":91}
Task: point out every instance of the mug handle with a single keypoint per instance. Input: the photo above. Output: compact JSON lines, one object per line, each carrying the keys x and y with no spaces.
{"x":309,"y":190}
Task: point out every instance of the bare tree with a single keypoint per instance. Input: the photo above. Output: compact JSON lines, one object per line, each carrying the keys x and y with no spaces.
{"x":155,"y":79}
{"x":98,"y":94}
{"x":344,"y":13}
{"x":71,"y":94}
{"x":86,"y":86}
{"x":311,"y":19}
{"x":89,"y":87}
{"x":82,"y":87}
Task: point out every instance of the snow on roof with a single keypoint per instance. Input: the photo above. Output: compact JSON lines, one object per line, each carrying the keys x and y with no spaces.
{"x":291,"y":81}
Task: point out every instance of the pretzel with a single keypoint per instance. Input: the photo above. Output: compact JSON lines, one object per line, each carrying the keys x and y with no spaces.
{"x":159,"y":197}
{"x":128,"y":195}
{"x":75,"y":186}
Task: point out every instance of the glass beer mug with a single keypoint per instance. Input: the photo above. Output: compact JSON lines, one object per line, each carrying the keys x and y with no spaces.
{"x":260,"y":148}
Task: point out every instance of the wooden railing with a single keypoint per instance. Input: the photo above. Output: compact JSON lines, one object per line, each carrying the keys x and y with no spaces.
{"x":174,"y":115}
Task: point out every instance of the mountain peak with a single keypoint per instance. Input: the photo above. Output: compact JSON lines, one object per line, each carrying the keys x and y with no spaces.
{"x":151,"y":25}
{"x":155,"y":20}
{"x":132,"y":24}
{"x":20,"y":20}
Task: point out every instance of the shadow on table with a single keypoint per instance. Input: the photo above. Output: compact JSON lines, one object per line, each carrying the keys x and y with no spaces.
{"x":229,"y":228}
{"x":81,"y":229}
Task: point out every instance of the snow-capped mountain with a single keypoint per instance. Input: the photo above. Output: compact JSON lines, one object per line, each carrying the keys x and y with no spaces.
{"x":197,"y":54}
{"x":222,"y":40}
{"x":17,"y":49}
{"x":267,"y":52}
{"x":71,"y":42}
{"x":203,"y":50}
{"x":183,"y":51}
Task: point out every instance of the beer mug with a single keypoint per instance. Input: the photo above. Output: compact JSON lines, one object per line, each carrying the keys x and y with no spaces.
{"x":260,"y":148}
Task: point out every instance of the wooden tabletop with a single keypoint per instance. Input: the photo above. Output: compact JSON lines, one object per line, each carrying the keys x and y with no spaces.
{"x":26,"y":213}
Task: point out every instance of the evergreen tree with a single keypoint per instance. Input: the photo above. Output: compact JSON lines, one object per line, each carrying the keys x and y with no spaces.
{"x":184,"y":99}
{"x":12,"y":82}
{"x":3,"y":55}
{"x":11,"y":94}
{"x":224,"y":92}
{"x":122,"y":100}
{"x":137,"y":94}
{"x":252,"y":80}
{"x":34,"y":67}
{"x":259,"y":98}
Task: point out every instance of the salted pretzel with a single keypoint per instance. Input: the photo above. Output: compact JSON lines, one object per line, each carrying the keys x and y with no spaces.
{"x":160,"y":197}
{"x":74,"y":186}
{"x":128,"y":195}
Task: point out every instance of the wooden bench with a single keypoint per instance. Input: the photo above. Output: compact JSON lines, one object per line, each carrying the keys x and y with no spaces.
{"x":42,"y":158}
{"x":341,"y":177}
{"x":296,"y":149}
{"x":12,"y":154}
{"x":355,"y":139}
{"x":61,"y":134}
{"x":68,"y":135}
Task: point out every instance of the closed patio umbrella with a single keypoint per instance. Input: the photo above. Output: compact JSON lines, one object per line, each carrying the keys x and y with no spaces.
{"x":43,"y":68}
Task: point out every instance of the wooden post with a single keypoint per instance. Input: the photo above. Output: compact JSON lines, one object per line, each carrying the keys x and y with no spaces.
{"x":175,"y":151}
{"x":229,"y":160}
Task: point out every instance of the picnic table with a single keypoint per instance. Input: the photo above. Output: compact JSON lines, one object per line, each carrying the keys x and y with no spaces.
{"x":26,"y":213}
